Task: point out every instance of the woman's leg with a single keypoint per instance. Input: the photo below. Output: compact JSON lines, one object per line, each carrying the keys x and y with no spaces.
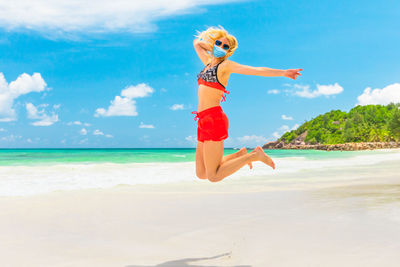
{"x":242,"y":151}
{"x":200,"y":167}
{"x":216,"y":171}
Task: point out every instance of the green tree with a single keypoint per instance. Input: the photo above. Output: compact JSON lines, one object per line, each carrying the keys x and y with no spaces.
{"x":394,"y":124}
{"x":372,"y":123}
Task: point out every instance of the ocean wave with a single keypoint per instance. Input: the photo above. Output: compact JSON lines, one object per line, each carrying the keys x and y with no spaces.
{"x":31,"y":180}
{"x":179,"y":156}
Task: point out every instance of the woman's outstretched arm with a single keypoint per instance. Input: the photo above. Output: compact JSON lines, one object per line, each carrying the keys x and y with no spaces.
{"x":234,"y":67}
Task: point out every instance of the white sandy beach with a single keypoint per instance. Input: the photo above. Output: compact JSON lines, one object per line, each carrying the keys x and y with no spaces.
{"x":333,"y":216}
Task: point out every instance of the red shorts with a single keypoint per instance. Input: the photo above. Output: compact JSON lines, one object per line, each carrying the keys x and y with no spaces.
{"x":213,"y":124}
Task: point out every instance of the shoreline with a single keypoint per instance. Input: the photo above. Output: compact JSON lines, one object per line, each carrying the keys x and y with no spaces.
{"x":334,"y":147}
{"x":41,"y":178}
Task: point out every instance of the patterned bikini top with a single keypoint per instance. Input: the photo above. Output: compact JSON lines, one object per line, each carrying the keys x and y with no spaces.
{"x":209,"y":78}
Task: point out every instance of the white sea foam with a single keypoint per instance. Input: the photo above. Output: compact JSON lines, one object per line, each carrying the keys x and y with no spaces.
{"x":179,"y":156}
{"x":31,"y":180}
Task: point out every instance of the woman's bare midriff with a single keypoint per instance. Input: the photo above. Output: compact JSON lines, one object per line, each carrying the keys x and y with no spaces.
{"x":208,"y":97}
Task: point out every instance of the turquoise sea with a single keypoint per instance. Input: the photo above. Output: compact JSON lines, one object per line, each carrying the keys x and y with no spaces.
{"x":29,"y":157}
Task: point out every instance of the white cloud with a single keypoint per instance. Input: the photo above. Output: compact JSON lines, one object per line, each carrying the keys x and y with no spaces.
{"x":83,"y":141}
{"x":322,"y":90}
{"x":42,"y":118}
{"x":66,"y":17}
{"x":276,"y":134}
{"x":283,"y":129}
{"x":273,"y":91}
{"x":124,"y":105}
{"x":10,"y":138}
{"x":192,"y":139}
{"x":83,"y":131}
{"x":2,"y":130}
{"x":145,"y":138}
{"x":177,"y":106}
{"x":148,"y":126}
{"x":24,"y":84}
{"x":74,"y":123}
{"x":56,"y":106}
{"x":248,"y":139}
{"x":140,"y":90}
{"x":287,"y":118}
{"x":98,"y":132}
{"x":121,"y":106}
{"x":32,"y":140}
{"x":78,"y":123}
{"x":384,"y":96}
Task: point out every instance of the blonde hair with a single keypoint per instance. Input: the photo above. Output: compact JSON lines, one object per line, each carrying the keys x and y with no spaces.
{"x":213,"y":33}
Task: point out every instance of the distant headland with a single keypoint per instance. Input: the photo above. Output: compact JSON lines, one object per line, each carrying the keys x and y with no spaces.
{"x":362,"y":128}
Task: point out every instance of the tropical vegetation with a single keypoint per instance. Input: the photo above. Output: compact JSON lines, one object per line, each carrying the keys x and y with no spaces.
{"x":370,"y":123}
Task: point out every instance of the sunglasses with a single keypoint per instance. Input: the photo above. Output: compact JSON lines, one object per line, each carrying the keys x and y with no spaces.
{"x":218,"y":43}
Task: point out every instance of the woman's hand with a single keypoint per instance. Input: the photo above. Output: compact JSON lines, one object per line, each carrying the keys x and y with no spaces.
{"x":203,"y":44}
{"x":292,"y":73}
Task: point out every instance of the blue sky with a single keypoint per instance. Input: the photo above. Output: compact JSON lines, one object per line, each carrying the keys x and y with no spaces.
{"x":62,"y":65}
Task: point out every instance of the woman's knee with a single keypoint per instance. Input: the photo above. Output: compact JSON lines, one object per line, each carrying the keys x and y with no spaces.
{"x":201,"y":175}
{"x":212,"y":176}
{"x":213,"y":179}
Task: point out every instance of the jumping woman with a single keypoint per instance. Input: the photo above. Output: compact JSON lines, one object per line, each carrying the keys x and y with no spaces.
{"x":213,"y":47}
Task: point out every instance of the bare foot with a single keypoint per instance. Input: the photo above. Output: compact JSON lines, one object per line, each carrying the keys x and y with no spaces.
{"x":261,"y":156}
